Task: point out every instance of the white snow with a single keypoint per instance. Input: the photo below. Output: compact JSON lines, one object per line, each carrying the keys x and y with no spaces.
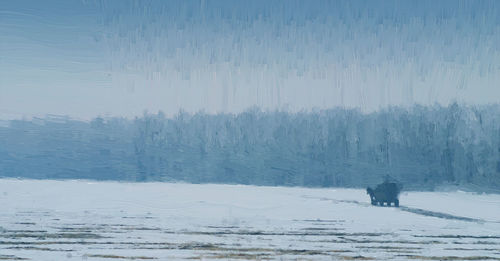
{"x":64,"y":220}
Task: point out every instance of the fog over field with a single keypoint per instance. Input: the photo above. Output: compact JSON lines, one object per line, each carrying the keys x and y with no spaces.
{"x":249,"y":130}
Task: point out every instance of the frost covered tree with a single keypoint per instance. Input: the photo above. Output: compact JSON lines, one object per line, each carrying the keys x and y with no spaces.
{"x":421,"y":146}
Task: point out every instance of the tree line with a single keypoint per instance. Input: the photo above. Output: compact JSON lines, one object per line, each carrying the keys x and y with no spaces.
{"x":423,"y":147}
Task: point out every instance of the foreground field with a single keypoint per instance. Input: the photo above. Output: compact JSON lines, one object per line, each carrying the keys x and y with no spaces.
{"x":80,"y":220}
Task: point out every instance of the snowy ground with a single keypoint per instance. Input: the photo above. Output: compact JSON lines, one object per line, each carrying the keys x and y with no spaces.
{"x":81,"y":220}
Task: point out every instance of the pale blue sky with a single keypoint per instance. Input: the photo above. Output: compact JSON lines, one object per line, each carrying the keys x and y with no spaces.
{"x":119,"y":58}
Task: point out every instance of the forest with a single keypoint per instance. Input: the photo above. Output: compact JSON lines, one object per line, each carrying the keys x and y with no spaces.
{"x":422,"y":146}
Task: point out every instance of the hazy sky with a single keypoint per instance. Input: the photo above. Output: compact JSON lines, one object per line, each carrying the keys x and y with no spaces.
{"x":88,"y":58}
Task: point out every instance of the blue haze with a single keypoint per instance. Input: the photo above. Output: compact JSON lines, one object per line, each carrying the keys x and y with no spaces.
{"x":423,"y":147}
{"x":308,"y":93}
{"x":119,"y":58}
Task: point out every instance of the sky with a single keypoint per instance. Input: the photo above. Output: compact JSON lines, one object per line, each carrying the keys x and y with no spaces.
{"x":122,"y":58}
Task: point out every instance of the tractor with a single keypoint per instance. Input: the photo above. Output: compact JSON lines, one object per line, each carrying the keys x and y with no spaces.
{"x":385,"y":193}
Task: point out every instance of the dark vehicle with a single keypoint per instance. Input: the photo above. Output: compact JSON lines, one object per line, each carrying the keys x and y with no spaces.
{"x":386,"y":192}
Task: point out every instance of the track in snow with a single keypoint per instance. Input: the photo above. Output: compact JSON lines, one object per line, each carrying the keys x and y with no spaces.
{"x":75,"y":220}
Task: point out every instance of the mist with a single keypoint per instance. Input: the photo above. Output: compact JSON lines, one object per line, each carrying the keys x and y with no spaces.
{"x":85,"y":59}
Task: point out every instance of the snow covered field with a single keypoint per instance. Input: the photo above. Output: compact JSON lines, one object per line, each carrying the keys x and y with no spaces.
{"x":82,"y":220}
